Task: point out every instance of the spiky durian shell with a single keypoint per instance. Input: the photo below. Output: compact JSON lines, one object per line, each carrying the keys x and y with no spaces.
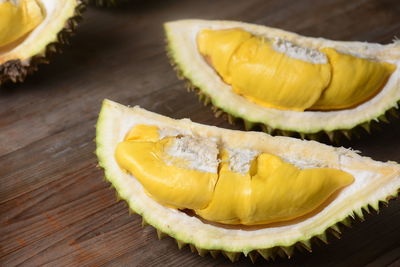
{"x":336,"y":136}
{"x":16,"y":70}
{"x":107,"y":133}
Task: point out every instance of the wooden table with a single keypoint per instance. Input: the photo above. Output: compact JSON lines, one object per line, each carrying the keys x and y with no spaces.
{"x":55,"y":208}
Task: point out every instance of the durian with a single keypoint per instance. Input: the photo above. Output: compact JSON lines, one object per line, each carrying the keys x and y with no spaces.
{"x":32,"y":30}
{"x":285,"y":83}
{"x":169,"y":172}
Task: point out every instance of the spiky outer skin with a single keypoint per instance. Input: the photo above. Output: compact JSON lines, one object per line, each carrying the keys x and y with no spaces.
{"x":17,"y":71}
{"x":104,"y":3}
{"x":334,"y":137}
{"x":303,"y":246}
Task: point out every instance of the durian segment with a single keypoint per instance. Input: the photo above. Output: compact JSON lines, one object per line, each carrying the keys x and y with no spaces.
{"x":354,"y":80}
{"x":374,"y":182}
{"x":274,"y":191}
{"x":279,"y":74}
{"x":167,"y":177}
{"x":18,"y":19}
{"x":184,"y":52}
{"x":260,"y":73}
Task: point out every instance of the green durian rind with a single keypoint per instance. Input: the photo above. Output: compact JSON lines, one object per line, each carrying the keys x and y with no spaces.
{"x":332,"y":125}
{"x":381,"y":182}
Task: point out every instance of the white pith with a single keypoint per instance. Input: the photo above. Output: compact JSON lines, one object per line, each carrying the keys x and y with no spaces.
{"x":57,"y":12}
{"x":182,"y":35}
{"x":200,"y":154}
{"x":374,"y":181}
{"x":299,"y":52}
{"x":240,"y":159}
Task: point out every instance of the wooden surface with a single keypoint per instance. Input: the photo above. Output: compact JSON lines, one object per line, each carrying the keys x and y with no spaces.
{"x":55,"y":208}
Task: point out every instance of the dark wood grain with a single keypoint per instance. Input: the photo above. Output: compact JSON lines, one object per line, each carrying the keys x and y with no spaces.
{"x":55,"y":208}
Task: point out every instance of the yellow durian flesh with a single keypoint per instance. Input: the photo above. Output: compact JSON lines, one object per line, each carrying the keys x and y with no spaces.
{"x":354,"y":80}
{"x":169,"y":184}
{"x":16,"y":21}
{"x":277,"y":191}
{"x":272,"y":78}
{"x":271,"y":191}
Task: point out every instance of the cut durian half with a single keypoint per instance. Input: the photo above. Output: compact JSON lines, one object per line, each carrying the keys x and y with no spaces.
{"x":35,"y":29}
{"x":374,"y":182}
{"x":182,"y":37}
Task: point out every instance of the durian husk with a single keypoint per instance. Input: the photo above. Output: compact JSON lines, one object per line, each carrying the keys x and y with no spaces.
{"x":108,"y":128}
{"x":336,"y":136}
{"x":16,"y":70}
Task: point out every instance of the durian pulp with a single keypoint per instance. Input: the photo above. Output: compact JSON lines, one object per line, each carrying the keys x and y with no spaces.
{"x":197,"y":174}
{"x":279,"y":74}
{"x":17,"y":19}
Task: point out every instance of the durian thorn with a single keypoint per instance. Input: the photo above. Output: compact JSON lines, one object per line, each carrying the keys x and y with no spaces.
{"x":215,"y":253}
{"x":144,"y":222}
{"x":347,"y":134}
{"x":331,"y":136}
{"x":117,"y":196}
{"x":232,"y":256}
{"x":383,"y":119}
{"x":192,"y":248}
{"x":306,"y":244}
{"x":231,"y":119}
{"x":202,"y":252}
{"x":265,"y":253}
{"x":323,"y":238}
{"x":131,"y":211}
{"x":248,"y":125}
{"x":160,"y":234}
{"x":180,"y":244}
{"x":336,"y":228}
{"x":335,"y":233}
{"x":288,"y":251}
{"x":347,"y":222}
{"x":254,"y":255}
